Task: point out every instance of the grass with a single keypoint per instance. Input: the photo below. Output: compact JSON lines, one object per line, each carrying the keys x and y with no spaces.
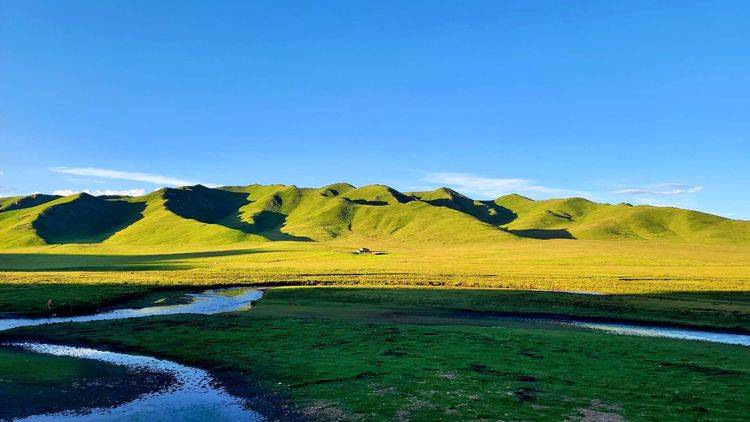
{"x":603,"y":266}
{"x":31,"y":299}
{"x":342,"y":354}
{"x":709,"y":309}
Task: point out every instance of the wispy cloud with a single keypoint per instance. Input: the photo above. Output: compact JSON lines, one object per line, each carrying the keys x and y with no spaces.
{"x":663,"y":189}
{"x":125,"y":192}
{"x":489,"y":187}
{"x":156,"y":179}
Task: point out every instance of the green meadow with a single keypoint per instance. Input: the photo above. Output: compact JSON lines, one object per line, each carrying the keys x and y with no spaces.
{"x":383,"y":354}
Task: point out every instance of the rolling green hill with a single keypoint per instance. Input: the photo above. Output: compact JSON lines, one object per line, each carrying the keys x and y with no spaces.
{"x":19,"y":202}
{"x":260,"y":213}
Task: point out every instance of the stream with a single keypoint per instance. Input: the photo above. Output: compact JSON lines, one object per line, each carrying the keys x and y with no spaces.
{"x":207,"y":302}
{"x":666,"y":332}
{"x":194,"y":396}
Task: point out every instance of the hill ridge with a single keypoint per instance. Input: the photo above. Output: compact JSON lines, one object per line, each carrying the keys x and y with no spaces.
{"x":234,"y":214}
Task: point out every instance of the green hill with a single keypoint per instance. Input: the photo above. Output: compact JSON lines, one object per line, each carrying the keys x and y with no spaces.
{"x":259,"y":213}
{"x":486,"y":211}
{"x":582,"y":219}
{"x":19,"y":202}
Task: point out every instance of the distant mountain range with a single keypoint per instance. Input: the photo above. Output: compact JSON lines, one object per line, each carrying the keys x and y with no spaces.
{"x":234,"y":214}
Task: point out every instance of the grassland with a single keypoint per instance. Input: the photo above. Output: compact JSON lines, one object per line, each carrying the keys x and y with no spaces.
{"x":375,"y":354}
{"x":391,"y":348}
{"x":604,"y":266}
{"x":403,"y":351}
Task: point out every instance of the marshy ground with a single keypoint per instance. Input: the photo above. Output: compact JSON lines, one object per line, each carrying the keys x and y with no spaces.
{"x":373,"y":354}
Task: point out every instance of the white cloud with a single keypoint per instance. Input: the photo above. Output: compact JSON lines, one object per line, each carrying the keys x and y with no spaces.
{"x":156,"y":179}
{"x":113,"y":192}
{"x":663,"y":189}
{"x":489,"y":187}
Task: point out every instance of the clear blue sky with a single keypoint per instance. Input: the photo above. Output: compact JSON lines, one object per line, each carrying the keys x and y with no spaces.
{"x":643,"y":102}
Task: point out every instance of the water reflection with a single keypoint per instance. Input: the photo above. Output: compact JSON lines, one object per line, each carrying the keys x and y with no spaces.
{"x":207,"y":302}
{"x":193,"y":396}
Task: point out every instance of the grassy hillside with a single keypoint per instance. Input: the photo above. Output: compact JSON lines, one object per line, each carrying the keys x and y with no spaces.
{"x":202,"y":216}
{"x":582,"y":219}
{"x":85,"y":219}
{"x":20,"y":202}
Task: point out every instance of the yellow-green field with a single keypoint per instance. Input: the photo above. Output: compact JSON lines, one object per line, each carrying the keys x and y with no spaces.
{"x":601,"y":266}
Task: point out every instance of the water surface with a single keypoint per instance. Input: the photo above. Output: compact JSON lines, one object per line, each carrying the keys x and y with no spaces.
{"x":666,"y":332}
{"x":207,"y":302}
{"x":194,"y":396}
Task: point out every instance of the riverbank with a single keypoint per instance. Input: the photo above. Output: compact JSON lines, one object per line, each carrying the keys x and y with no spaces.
{"x":386,"y":353}
{"x":718,"y":311}
{"x":35,"y":383}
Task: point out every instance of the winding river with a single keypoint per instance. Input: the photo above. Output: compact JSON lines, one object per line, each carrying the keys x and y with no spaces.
{"x":196,"y":396}
{"x":193,"y":396}
{"x":208,"y":302}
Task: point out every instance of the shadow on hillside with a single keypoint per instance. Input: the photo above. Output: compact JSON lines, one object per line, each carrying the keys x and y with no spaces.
{"x":501,"y":214}
{"x":269,"y":223}
{"x":542,"y":234}
{"x":560,"y":214}
{"x":91,"y":222}
{"x":366,"y":202}
{"x":210,"y":206}
{"x":214,"y":206}
{"x":30,"y":201}
{"x":84,"y":262}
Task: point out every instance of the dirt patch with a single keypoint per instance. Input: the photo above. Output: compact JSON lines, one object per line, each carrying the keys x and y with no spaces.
{"x":405,"y":413}
{"x":524,"y":394}
{"x":598,"y":411}
{"x":328,"y":411}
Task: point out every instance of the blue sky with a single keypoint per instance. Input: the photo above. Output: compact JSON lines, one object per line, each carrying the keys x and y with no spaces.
{"x":642,"y":102}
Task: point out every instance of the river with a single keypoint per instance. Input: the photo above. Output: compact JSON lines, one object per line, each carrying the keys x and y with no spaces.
{"x":194,"y":396}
